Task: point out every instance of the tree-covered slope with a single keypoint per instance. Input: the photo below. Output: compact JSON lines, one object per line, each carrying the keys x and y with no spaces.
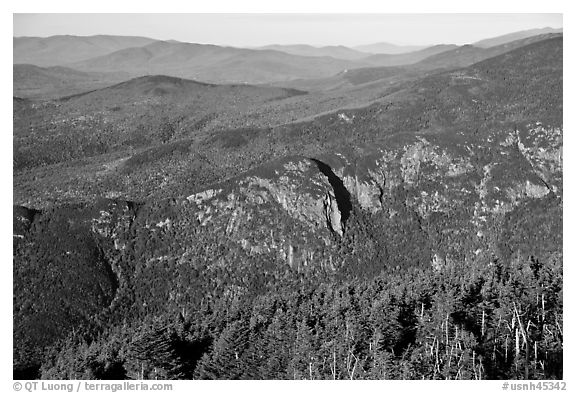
{"x":418,"y":237}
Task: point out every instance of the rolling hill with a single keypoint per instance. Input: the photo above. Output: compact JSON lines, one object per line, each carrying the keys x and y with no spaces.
{"x":215,"y":64}
{"x":177,"y":90}
{"x":65,"y":49}
{"x":337,"y":52}
{"x":503,"y":39}
{"x":134,"y":114}
{"x":389,"y":60}
{"x":387,"y":48}
{"x":468,"y":54}
{"x":456,"y":57}
{"x":31,"y":81}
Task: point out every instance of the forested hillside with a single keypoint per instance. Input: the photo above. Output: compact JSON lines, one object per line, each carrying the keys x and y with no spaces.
{"x":172,"y":229}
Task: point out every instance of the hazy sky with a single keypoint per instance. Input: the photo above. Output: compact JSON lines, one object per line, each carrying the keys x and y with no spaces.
{"x":263,"y":29}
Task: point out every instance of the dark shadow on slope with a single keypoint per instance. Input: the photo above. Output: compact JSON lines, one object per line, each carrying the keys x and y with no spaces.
{"x":26,"y":372}
{"x":342,"y":195}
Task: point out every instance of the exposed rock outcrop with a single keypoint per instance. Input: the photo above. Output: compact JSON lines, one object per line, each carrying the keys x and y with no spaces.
{"x":296,"y":209}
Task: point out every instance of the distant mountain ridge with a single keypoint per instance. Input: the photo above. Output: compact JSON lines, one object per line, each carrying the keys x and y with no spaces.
{"x":336,"y":51}
{"x":214,"y":64}
{"x":503,"y":39}
{"x":468,"y":54}
{"x":30,"y":81}
{"x":162,"y":86}
{"x":390,"y":60}
{"x":388,"y":48}
{"x":139,"y":56}
{"x":64,"y":49}
{"x":447,"y":57}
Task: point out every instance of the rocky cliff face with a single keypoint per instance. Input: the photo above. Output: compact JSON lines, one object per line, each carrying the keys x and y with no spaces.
{"x":478,"y":180}
{"x":453,"y":183}
{"x":293,"y":210}
{"x":296,"y":210}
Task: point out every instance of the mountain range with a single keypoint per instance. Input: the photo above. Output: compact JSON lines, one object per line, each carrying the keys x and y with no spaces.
{"x":388,"y":48}
{"x":516,"y":36}
{"x":52,"y":82}
{"x":406,"y":66}
{"x":338,"y":52}
{"x":393,"y":215}
{"x":138,"y":56}
{"x":65,"y":49}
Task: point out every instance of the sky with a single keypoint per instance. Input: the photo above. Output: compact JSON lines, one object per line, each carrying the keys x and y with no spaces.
{"x":247,"y":30}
